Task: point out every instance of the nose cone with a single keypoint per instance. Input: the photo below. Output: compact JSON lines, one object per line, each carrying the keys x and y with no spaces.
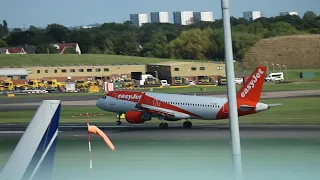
{"x":262,"y":107}
{"x":99,"y":103}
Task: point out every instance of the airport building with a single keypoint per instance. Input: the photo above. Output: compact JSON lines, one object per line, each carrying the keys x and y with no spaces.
{"x":288,"y":13}
{"x":163,"y":71}
{"x":139,"y":19}
{"x":183,"y":17}
{"x":187,"y":70}
{"x":203,"y":16}
{"x":251,"y":15}
{"x":159,"y":17}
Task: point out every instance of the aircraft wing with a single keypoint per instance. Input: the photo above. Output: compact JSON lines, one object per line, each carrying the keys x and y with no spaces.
{"x":152,"y":105}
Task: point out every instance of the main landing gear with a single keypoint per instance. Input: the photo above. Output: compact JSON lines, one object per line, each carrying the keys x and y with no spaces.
{"x":163,"y":125}
{"x":118,"y":122}
{"x":187,"y":124}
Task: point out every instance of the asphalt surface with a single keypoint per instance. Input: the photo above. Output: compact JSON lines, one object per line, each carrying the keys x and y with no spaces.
{"x":176,"y":131}
{"x":32,"y":103}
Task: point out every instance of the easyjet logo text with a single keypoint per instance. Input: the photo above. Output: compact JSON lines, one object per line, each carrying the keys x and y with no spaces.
{"x":129,"y":96}
{"x":252,"y":83}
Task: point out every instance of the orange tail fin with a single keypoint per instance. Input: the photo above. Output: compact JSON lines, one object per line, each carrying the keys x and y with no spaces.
{"x":252,"y":88}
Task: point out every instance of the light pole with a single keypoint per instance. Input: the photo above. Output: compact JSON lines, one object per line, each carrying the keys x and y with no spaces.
{"x":272,"y":67}
{"x":279,"y":67}
{"x":231,"y":87}
{"x":286,"y":71}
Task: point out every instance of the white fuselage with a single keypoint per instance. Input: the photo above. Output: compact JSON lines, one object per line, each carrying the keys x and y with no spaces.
{"x":193,"y":107}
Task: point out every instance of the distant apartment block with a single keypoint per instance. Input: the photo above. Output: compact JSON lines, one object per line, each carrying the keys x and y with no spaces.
{"x":251,"y":15}
{"x":183,"y":17}
{"x":288,"y":13}
{"x":159,"y":17}
{"x":139,"y":19}
{"x":203,"y":16}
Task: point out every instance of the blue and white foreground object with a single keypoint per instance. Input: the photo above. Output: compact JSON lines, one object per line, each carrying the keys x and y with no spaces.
{"x":33,"y":157}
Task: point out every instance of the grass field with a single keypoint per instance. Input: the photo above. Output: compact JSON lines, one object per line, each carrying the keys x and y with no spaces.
{"x":293,"y":111}
{"x":267,"y":87}
{"x":73,"y":59}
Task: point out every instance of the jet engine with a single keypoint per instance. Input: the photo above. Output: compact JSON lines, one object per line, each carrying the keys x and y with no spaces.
{"x":137,"y":117}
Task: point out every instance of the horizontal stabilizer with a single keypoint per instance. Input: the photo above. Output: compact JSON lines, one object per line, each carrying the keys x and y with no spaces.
{"x":271,"y":105}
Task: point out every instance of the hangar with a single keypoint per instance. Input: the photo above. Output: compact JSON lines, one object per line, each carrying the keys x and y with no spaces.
{"x":62,"y":73}
{"x":181,"y":72}
{"x":13,"y":74}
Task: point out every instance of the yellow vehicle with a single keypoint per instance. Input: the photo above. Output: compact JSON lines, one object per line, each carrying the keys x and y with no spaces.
{"x":8,"y":85}
{"x":205,"y":79}
{"x":93,"y":86}
{"x":21,"y":86}
{"x":222,"y":80}
{"x":53,"y":84}
{"x":179,"y":80}
{"x":36,"y":84}
{"x":81,"y":85}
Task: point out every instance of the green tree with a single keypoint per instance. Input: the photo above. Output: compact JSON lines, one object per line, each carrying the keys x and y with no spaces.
{"x":46,"y":49}
{"x":70,"y":50}
{"x":3,"y":44}
{"x":309,"y":15}
{"x":94,"y":50}
{"x":192,"y":44}
{"x":5,"y":28}
{"x":58,"y":32}
{"x":158,"y":47}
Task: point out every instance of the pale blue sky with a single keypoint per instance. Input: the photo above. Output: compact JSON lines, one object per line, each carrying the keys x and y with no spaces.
{"x":82,"y":12}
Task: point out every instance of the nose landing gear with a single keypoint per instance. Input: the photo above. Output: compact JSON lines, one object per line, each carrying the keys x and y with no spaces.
{"x":119,"y":121}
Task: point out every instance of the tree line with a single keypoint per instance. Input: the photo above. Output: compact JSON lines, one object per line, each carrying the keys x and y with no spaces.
{"x":202,"y":40}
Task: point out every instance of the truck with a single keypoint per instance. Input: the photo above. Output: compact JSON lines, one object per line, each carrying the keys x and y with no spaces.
{"x":278,"y":76}
{"x":147,"y":79}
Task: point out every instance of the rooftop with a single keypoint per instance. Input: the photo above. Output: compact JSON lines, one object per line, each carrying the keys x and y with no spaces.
{"x":176,"y":63}
{"x":13,"y":72}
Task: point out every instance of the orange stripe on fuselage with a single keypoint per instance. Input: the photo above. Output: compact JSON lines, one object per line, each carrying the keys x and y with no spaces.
{"x":134,"y":96}
{"x":224,"y":111}
{"x":157,"y":103}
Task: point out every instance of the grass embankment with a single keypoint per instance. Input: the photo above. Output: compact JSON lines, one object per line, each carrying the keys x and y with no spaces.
{"x":73,"y":59}
{"x":293,"y":111}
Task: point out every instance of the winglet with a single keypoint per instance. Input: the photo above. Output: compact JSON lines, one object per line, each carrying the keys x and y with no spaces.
{"x":33,"y":157}
{"x":252,"y":88}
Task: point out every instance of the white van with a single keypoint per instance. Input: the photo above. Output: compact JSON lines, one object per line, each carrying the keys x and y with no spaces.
{"x":275,"y":77}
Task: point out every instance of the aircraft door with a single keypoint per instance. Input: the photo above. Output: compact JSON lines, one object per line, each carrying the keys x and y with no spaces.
{"x":113,"y":99}
{"x":225,"y":108}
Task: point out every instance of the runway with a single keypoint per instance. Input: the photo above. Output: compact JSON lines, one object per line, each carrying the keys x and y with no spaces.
{"x":203,"y":152}
{"x":32,"y":103}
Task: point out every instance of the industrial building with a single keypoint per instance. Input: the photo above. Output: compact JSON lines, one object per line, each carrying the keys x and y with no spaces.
{"x":288,"y":13}
{"x":170,"y":71}
{"x":203,"y":16}
{"x":186,"y":71}
{"x":251,"y":15}
{"x":159,"y":17}
{"x":139,"y":19}
{"x":183,"y":17}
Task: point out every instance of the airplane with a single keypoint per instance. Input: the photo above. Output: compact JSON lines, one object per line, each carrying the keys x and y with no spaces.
{"x":140,"y":107}
{"x":33,"y":156}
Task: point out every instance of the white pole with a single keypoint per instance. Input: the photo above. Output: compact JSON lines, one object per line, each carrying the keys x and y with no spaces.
{"x":233,"y":111}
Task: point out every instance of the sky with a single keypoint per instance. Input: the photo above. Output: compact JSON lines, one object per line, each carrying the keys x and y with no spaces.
{"x":40,"y":13}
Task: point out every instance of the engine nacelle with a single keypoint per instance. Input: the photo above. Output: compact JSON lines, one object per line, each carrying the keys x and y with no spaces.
{"x":136,"y":117}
